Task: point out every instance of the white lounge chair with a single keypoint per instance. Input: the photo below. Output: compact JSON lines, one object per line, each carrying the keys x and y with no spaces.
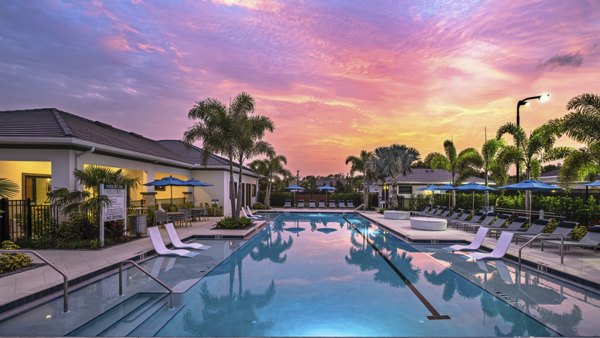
{"x":247,"y":216}
{"x":178,"y":243}
{"x":253,"y":215}
{"x":499,"y":251}
{"x":476,"y":244}
{"x":161,"y":248}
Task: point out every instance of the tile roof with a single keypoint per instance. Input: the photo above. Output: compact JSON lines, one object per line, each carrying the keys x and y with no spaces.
{"x":51,"y":122}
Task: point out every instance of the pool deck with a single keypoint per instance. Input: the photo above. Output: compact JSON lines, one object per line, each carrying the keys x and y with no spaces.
{"x":78,"y":263}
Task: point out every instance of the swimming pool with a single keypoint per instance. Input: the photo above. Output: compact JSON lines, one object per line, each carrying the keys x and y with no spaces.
{"x":340,"y":275}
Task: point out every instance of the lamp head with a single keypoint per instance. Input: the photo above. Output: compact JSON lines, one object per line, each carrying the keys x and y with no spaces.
{"x":544,"y":97}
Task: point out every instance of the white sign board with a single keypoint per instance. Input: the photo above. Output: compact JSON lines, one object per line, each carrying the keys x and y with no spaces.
{"x":117,"y":210}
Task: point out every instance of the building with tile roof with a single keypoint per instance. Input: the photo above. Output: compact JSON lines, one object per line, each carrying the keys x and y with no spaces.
{"x":40,"y":148}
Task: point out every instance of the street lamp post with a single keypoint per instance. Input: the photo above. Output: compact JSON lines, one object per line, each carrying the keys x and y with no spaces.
{"x":523,"y":102}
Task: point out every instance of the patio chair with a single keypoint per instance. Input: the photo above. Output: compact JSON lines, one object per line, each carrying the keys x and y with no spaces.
{"x":499,"y":251}
{"x":287,"y":204}
{"x":312,"y":204}
{"x":160,"y":217}
{"x":300,"y":204}
{"x":563,"y":229}
{"x":253,"y":215}
{"x":176,"y":241}
{"x":425,"y":210}
{"x":462,"y":218}
{"x":498,"y":225}
{"x":161,"y":248}
{"x":444,"y":213}
{"x":487,"y":220}
{"x":475,"y":244}
{"x":331,"y":203}
{"x":187,"y":216}
{"x":590,"y":240}
{"x":350,"y":204}
{"x":248,"y":216}
{"x":341,"y":204}
{"x":536,"y":227}
{"x":321,"y":204}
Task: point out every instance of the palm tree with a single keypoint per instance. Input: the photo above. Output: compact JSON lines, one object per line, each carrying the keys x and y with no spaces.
{"x":360,"y":164}
{"x":249,"y":143}
{"x":460,"y":166}
{"x":216,"y":126}
{"x":532,"y":150}
{"x":491,"y":165}
{"x":272,"y":169}
{"x":8,"y":188}
{"x":393,"y":161}
{"x":583,"y":125}
{"x":92,"y":176}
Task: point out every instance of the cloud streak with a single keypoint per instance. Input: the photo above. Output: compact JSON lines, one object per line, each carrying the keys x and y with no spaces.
{"x":336,"y":77}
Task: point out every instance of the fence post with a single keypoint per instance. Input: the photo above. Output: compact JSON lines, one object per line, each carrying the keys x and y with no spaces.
{"x":4,"y":230}
{"x":29,"y":218}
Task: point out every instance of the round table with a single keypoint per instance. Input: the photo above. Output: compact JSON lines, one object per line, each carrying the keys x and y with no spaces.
{"x":428,"y":223}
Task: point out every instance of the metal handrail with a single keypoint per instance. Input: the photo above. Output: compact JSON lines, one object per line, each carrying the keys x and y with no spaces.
{"x":359,"y":207}
{"x":562,"y":241}
{"x":64,"y":274}
{"x":147,"y":274}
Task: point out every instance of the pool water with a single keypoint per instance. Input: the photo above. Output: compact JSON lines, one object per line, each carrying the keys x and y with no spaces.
{"x":317,"y":275}
{"x":322,"y":274}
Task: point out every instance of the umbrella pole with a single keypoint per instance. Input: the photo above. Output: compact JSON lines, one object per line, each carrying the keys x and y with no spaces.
{"x":171,"y":197}
{"x":473,"y":199}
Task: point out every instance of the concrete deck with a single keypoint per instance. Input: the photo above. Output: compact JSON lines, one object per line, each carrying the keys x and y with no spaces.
{"x":581,"y":263}
{"x":78,"y":263}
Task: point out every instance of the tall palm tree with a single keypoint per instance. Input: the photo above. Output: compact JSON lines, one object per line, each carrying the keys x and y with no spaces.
{"x":360,"y":164}
{"x":491,"y":165}
{"x":461,"y":165}
{"x":216,"y":126}
{"x":583,"y":125}
{"x":8,"y":188}
{"x":250,"y":144}
{"x":532,"y":150}
{"x":271,"y":168}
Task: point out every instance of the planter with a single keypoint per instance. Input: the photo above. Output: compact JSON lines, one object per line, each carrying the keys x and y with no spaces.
{"x":137,"y":224}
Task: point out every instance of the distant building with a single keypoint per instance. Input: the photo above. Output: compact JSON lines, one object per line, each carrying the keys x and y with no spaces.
{"x":40,"y":148}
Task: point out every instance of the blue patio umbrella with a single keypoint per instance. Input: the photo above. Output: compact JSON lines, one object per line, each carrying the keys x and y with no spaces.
{"x":430,"y":187}
{"x":327,"y":189}
{"x":531,"y":185}
{"x":594,"y":184}
{"x":473,"y":187}
{"x":196,"y":183}
{"x":167,"y":181}
{"x":294,"y":189}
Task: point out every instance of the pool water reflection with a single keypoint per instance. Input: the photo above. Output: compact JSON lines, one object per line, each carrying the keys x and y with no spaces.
{"x":318,"y":275}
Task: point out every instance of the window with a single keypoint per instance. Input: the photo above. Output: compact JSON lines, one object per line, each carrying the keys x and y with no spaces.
{"x":405,"y":189}
{"x":36,"y":187}
{"x":254,"y":190}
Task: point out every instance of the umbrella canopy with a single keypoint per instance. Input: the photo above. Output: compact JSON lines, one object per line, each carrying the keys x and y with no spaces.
{"x":473,"y":187}
{"x":327,"y":188}
{"x":167,"y":181}
{"x":430,"y":187}
{"x":294,"y":188}
{"x":594,"y":184}
{"x":531,"y":185}
{"x":445,"y":187}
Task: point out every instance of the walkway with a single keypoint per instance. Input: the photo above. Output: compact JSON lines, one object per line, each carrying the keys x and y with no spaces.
{"x":78,"y":263}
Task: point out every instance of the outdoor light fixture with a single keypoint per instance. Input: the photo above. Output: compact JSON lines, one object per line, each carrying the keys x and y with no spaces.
{"x":542,"y":98}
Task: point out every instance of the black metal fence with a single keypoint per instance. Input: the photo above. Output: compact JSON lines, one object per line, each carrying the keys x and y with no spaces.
{"x":24,"y":219}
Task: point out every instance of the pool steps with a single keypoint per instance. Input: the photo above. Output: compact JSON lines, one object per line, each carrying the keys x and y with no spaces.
{"x":126,"y":317}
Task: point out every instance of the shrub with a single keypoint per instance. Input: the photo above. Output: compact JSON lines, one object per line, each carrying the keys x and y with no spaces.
{"x":260,"y":206}
{"x":230,"y":223}
{"x":115,"y":230}
{"x":578,"y":232}
{"x":551,"y":226}
{"x":12,"y":262}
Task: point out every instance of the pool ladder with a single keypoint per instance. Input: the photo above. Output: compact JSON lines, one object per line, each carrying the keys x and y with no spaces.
{"x":64,"y":274}
{"x":147,"y":274}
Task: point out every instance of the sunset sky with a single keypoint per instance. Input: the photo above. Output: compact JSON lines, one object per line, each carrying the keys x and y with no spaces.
{"x":335,"y":76}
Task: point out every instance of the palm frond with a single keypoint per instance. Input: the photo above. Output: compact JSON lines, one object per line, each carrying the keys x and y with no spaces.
{"x":8,"y":188}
